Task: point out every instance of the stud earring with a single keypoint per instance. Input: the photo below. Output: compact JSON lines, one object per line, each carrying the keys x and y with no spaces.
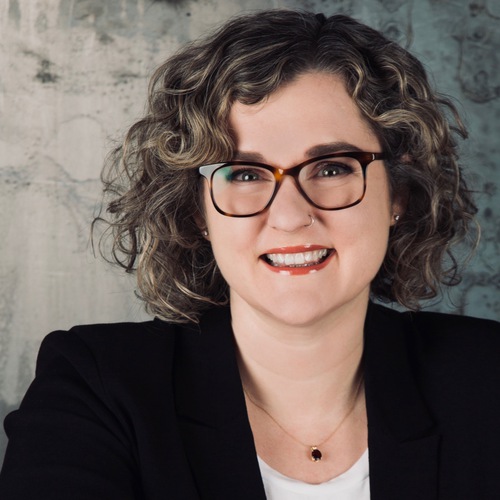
{"x":397,"y":217}
{"x":204,"y":233}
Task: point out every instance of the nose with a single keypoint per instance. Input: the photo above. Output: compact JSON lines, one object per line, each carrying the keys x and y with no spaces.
{"x":289,"y":211}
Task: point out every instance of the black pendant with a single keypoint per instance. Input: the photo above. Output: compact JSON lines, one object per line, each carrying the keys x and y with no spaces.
{"x":316,"y":455}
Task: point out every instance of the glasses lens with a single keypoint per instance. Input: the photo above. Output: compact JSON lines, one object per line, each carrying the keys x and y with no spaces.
{"x":242,"y":189}
{"x":333,"y":183}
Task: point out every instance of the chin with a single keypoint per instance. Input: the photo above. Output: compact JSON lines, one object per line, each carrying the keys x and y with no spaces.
{"x":296,"y":315}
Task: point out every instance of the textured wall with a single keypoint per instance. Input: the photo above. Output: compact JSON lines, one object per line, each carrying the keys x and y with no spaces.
{"x":74,"y":75}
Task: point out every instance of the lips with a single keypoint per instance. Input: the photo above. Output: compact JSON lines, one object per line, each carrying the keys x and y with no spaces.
{"x":297,"y":260}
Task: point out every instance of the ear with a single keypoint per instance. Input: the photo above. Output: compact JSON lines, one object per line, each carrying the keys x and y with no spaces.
{"x":202,"y":225}
{"x":398,"y":208}
{"x":400,"y":195}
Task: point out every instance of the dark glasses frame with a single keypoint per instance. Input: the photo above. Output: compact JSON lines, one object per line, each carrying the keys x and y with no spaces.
{"x":364,"y":159}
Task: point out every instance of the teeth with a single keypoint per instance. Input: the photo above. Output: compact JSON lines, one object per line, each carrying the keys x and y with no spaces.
{"x":297,"y":259}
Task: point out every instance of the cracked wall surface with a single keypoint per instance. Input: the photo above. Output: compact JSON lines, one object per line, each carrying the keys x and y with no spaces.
{"x":74,"y":76}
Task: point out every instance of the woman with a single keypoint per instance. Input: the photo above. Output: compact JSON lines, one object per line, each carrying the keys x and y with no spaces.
{"x":289,"y":168}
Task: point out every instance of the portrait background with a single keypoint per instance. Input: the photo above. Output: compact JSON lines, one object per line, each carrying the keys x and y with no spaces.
{"x":74,"y":76}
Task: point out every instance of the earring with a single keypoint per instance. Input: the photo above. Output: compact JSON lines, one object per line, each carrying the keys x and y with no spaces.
{"x":397,"y":217}
{"x":204,"y":233}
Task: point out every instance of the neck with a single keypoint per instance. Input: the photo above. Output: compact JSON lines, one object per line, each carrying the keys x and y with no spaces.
{"x":313,"y":369}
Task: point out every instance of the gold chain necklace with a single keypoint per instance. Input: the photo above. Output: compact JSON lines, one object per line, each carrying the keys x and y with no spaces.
{"x":314,"y":450}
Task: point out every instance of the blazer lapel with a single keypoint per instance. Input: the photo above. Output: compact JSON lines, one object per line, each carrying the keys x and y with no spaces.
{"x":211,"y":411}
{"x":403,"y":442}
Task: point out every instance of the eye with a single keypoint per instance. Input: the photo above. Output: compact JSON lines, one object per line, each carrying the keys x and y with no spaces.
{"x":332,"y":169}
{"x":245,"y":174}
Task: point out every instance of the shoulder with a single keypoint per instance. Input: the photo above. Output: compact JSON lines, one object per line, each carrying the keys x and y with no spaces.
{"x":108,"y":342}
{"x":108,"y":359}
{"x":435,"y":327}
{"x":144,"y":349}
{"x":440,"y":323}
{"x":451,"y":355}
{"x":457,"y":338}
{"x":457,"y":345}
{"x":109,"y":372}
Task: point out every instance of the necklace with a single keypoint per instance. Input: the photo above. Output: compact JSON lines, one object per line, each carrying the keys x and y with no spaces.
{"x":315,"y":453}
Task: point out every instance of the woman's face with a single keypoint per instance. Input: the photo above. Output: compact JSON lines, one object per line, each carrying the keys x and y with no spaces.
{"x":309,"y":114}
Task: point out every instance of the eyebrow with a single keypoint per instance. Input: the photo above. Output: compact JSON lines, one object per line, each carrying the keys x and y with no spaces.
{"x":248,"y":156}
{"x":319,"y":150}
{"x":332,"y":147}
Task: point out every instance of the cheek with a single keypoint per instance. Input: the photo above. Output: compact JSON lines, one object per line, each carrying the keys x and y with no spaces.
{"x":362,"y":252}
{"x":232,"y":249}
{"x":366,"y":229}
{"x":231,"y":238}
{"x":366,"y":237}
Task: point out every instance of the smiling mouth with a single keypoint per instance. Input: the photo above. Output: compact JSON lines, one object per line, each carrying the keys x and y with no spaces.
{"x":299,"y":259}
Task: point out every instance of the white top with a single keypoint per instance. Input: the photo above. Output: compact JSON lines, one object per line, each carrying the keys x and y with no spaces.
{"x":351,"y":485}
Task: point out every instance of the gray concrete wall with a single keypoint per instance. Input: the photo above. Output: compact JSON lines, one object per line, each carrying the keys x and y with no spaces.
{"x":73,"y":75}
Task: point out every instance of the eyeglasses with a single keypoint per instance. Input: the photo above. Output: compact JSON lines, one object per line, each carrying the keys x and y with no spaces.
{"x":330,"y":182}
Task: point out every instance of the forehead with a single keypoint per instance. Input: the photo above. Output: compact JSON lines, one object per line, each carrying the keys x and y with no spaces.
{"x":313,"y":109}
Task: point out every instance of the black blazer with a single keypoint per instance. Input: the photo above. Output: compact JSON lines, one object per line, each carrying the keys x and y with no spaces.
{"x":154,"y":411}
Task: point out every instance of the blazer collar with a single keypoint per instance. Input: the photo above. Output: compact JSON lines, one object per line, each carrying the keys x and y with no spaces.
{"x":403,"y":441}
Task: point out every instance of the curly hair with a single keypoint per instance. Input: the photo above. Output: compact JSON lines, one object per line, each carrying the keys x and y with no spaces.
{"x":155,"y":188}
